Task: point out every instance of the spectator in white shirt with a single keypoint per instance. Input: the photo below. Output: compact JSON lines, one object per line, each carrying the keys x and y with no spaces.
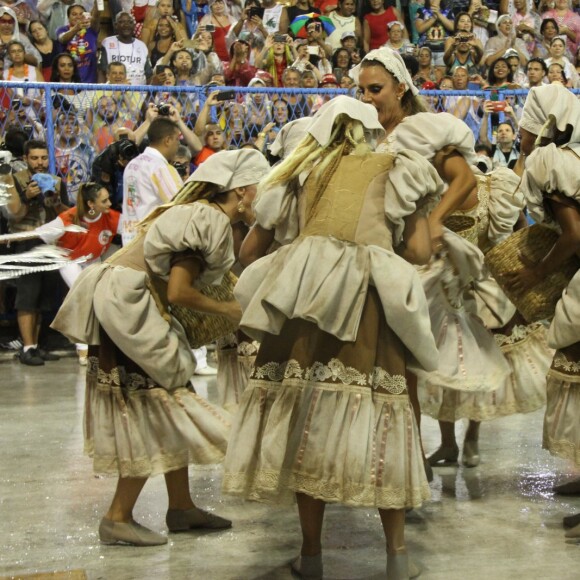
{"x":150,"y":180}
{"x":125,"y":48}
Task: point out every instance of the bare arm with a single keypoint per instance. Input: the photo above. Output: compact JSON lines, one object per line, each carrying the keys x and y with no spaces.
{"x":454,"y":170}
{"x":366,"y":35}
{"x":416,"y":245}
{"x":203,"y":118}
{"x":255,"y":245}
{"x":180,"y":291}
{"x":190,"y":137}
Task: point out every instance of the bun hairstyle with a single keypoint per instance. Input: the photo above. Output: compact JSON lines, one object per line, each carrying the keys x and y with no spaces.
{"x":87,"y":192}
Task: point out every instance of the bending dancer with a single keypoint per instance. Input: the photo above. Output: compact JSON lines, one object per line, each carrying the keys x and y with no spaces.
{"x":142,"y":416}
{"x":551,"y":183}
{"x":447,"y":143}
{"x":326,"y":414}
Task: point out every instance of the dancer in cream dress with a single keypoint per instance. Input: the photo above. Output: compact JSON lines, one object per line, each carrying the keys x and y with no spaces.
{"x":142,"y":416}
{"x":469,"y":359}
{"x":495,"y":207}
{"x":326,"y":415}
{"x":551,"y":183}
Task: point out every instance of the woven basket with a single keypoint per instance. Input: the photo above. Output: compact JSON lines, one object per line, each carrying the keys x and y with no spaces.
{"x":538,"y":302}
{"x":463,"y":226}
{"x":205,"y":328}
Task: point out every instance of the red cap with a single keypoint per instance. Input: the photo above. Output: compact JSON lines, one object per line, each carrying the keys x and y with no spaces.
{"x":264,"y":76}
{"x":328,"y":79}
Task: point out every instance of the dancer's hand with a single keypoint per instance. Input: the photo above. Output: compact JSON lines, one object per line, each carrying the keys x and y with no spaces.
{"x":524,"y":279}
{"x":233,"y":311}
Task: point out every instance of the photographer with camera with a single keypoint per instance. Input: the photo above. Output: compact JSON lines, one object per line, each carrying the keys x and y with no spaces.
{"x":464,"y":48}
{"x":249,"y":26}
{"x":505,"y":152}
{"x":36,"y":198}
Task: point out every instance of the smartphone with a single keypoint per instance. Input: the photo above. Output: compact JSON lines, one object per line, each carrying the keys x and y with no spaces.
{"x":410,"y":49}
{"x":189,"y":43}
{"x":255,"y":11}
{"x":209,"y":28}
{"x":226,"y":96}
{"x":499,"y":106}
{"x":160,"y":69}
{"x":313,"y":51}
{"x":279,"y":38}
{"x":337,"y":72}
{"x":16,"y":103}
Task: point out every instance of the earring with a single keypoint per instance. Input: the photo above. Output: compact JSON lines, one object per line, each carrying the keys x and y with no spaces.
{"x":241,"y":207}
{"x":91,"y":212}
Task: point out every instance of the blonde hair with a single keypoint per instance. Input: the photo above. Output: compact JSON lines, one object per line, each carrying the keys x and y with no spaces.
{"x":347,"y":137}
{"x":189,"y":193}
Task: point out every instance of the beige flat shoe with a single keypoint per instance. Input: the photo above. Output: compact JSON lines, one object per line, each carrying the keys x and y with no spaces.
{"x":131,"y":533}
{"x":470,"y":457}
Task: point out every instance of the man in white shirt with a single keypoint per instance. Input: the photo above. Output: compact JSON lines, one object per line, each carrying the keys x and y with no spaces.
{"x":126,"y":49}
{"x":150,"y":180}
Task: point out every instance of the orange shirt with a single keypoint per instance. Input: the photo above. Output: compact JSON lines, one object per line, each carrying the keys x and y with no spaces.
{"x":203,"y":155}
{"x":99,"y":234}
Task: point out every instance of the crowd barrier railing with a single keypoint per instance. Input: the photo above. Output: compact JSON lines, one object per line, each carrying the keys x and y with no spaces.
{"x":78,"y":121}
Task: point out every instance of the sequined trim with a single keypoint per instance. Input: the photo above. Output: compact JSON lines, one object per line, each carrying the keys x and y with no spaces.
{"x":119,"y":378}
{"x":335,"y":371}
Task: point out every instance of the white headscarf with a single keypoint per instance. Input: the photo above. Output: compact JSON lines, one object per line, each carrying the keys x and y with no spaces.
{"x":323,"y":121}
{"x":231,"y":169}
{"x":554,"y":101}
{"x":393,"y":62}
{"x":289,"y":136}
{"x":12,"y":14}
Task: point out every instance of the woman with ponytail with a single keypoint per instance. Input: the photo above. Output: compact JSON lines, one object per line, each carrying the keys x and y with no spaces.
{"x":326,"y":414}
{"x":93,"y":212}
{"x":142,"y":416}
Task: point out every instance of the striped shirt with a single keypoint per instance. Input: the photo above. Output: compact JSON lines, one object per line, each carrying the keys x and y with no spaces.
{"x":148,"y":181}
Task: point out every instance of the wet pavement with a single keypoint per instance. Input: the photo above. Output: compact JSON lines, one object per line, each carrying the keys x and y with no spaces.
{"x":497,"y":521}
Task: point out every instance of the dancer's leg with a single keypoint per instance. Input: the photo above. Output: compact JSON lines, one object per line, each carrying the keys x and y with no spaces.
{"x":311,"y":513}
{"x":125,"y":498}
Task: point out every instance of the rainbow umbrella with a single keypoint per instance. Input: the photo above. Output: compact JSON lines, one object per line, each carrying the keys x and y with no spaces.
{"x":298,"y":25}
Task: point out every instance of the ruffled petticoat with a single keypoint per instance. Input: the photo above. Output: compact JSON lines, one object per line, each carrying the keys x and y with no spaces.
{"x":523,"y":391}
{"x":562,"y":419}
{"x":135,"y":428}
{"x":469,"y":358}
{"x":236,"y":355}
{"x":328,"y":418}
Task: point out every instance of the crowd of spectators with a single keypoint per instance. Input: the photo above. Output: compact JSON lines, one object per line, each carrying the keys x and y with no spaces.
{"x":276,"y":58}
{"x":301,"y":46}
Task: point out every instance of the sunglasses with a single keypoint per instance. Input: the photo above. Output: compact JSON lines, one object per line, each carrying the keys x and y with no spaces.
{"x":6,"y":21}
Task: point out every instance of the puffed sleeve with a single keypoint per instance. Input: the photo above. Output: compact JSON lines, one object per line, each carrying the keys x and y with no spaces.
{"x":430,"y":133}
{"x":412,"y":184}
{"x":276,"y":208}
{"x":505,"y":202}
{"x":549,"y":170}
{"x":196,"y":227}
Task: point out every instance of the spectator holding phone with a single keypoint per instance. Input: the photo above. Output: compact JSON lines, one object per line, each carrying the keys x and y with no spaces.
{"x":220,"y":21}
{"x":79,"y":39}
{"x":341,"y":63}
{"x":505,"y":152}
{"x":277,"y":55}
{"x":249,"y":26}
{"x":211,"y":134}
{"x":238,"y":71}
{"x":315,"y":37}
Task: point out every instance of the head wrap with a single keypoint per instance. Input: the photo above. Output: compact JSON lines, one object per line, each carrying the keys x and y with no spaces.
{"x":552,"y":101}
{"x":393,"y":62}
{"x":289,"y":136}
{"x":231,"y":169}
{"x":12,"y":14}
{"x":323,"y":122}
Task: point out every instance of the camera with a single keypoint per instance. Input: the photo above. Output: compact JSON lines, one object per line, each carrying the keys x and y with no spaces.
{"x":255,"y":11}
{"x":127,"y":149}
{"x":164,"y":109}
{"x":209,"y":28}
{"x":279,"y":38}
{"x":499,"y":106}
{"x":464,"y":37}
{"x":181,"y":169}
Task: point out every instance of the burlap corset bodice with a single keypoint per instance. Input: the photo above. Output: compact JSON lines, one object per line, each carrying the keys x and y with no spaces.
{"x":352,"y":206}
{"x":480,"y":211}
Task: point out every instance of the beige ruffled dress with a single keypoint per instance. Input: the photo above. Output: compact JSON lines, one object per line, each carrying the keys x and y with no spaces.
{"x":469,"y":358}
{"x":338,"y":314}
{"x":142,"y":416}
{"x":523,"y":345}
{"x":552,"y":171}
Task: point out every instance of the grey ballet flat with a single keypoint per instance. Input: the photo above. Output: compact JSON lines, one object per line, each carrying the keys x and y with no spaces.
{"x":470,"y":457}
{"x":308,"y":567}
{"x":131,"y":533}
